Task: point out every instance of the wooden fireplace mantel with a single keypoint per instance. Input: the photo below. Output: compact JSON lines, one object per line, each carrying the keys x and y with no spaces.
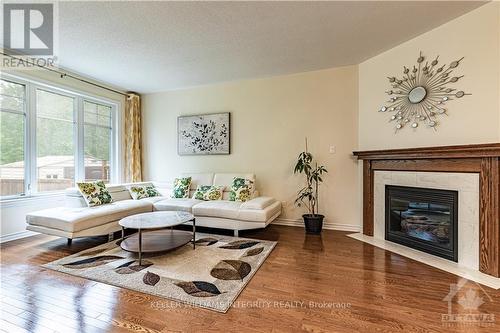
{"x":477,"y":158}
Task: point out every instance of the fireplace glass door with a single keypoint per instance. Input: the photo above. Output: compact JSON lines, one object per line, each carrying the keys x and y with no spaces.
{"x":424,"y":219}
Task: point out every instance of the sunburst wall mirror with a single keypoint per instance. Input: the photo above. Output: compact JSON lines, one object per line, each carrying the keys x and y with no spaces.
{"x":419,"y":97}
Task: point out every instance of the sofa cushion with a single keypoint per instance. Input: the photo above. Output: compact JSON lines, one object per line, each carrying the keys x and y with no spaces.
{"x":218,"y":208}
{"x":181,"y":187}
{"x":118,"y":192}
{"x":226,"y":179}
{"x":234,"y":210}
{"x":95,"y":193}
{"x":260,"y":215}
{"x":143,"y":191}
{"x":152,"y":200}
{"x":183,"y":204}
{"x":214,"y":193}
{"x":199,"y":179}
{"x":241,"y":189}
{"x":76,"y":219}
{"x":200,"y":191}
{"x":258,"y":203}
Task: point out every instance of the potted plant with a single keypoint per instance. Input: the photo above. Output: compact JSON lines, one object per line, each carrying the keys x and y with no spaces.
{"x":308,"y":195}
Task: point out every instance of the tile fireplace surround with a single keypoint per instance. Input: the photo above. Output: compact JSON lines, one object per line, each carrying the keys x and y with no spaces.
{"x":467,"y":185}
{"x":472,"y":170}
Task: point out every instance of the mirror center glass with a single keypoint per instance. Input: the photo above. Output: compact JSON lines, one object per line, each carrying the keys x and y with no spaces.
{"x":417,"y":95}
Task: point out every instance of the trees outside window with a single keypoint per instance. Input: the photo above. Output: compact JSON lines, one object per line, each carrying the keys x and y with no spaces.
{"x":55,"y":146}
{"x":97,"y":140}
{"x":12,"y":138}
{"x":51,"y":138}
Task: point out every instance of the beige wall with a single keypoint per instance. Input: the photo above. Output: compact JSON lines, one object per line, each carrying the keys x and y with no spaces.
{"x":472,"y":119}
{"x":270,"y":118}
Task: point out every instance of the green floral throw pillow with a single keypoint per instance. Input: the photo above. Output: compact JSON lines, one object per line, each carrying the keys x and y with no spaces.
{"x":143,"y":191}
{"x":200,"y":192}
{"x":181,"y":187}
{"x":214,"y":193}
{"x":95,"y":193}
{"x":242,"y":194}
{"x":241,"y":189}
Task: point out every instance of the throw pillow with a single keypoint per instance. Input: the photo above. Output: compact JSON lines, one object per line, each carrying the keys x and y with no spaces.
{"x":143,"y":191}
{"x":95,"y":193}
{"x":242,"y":194}
{"x":200,"y":191}
{"x":241,"y":189}
{"x":181,"y":187}
{"x":214,"y":193}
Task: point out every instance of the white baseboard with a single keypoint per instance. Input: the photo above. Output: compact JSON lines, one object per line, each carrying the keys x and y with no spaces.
{"x":17,"y":235}
{"x":326,"y":225}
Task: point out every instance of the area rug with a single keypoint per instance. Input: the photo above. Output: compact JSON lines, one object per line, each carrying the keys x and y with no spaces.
{"x":211,"y":276}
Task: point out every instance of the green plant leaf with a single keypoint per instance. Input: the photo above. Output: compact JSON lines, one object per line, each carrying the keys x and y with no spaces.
{"x":307,"y":196}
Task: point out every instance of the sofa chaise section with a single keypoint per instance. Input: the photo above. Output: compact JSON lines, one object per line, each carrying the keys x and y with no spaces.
{"x":72,"y":222}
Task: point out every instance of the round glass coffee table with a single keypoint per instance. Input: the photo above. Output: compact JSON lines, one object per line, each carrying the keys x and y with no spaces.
{"x":155,"y":232}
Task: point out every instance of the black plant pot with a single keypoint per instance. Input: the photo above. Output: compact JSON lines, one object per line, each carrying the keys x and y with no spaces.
{"x":313,"y":223}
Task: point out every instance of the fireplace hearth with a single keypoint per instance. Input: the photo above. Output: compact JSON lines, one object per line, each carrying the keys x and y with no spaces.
{"x":422,"y":218}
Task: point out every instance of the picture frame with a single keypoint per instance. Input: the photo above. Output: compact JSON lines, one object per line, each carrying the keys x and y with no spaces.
{"x":204,"y":134}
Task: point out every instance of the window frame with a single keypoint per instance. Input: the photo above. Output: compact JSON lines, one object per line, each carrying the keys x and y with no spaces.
{"x":113,"y":149}
{"x":26,"y":153}
{"x":30,"y":123}
{"x":34,"y":183}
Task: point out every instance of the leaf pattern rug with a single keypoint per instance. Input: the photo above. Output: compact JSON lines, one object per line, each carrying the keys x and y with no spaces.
{"x":211,"y":276}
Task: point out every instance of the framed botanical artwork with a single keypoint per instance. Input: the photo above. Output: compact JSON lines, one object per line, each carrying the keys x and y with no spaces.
{"x":204,"y":134}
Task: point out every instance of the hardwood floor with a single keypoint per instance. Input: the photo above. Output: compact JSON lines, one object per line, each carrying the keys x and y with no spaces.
{"x":314,"y":284}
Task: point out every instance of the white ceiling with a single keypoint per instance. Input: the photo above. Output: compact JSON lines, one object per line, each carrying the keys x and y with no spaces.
{"x":155,"y":46}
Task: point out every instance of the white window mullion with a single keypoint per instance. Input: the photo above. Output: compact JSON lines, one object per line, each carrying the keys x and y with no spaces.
{"x":80,"y":153}
{"x":27,"y":142}
{"x":115,"y":176}
{"x":31,"y":140}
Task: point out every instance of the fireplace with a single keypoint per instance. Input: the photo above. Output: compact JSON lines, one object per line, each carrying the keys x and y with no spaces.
{"x":422,"y":218}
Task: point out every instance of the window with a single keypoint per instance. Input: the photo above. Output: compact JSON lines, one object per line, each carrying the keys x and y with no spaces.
{"x":97,"y":140}
{"x":52,"y":137}
{"x":55,"y":148}
{"x":12,"y":138}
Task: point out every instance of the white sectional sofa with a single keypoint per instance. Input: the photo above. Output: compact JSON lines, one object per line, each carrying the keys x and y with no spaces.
{"x":77,"y":220}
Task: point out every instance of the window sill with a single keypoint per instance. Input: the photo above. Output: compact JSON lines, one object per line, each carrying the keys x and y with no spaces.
{"x":24,"y":200}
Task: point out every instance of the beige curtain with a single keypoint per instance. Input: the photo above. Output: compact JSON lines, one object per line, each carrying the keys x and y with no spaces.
{"x":133,"y":151}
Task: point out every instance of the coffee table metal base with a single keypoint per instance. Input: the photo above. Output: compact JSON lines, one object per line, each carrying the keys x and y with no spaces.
{"x":162,"y":240}
{"x":152,"y":233}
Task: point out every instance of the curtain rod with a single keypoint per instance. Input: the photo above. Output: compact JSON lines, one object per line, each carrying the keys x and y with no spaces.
{"x":63,"y":75}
